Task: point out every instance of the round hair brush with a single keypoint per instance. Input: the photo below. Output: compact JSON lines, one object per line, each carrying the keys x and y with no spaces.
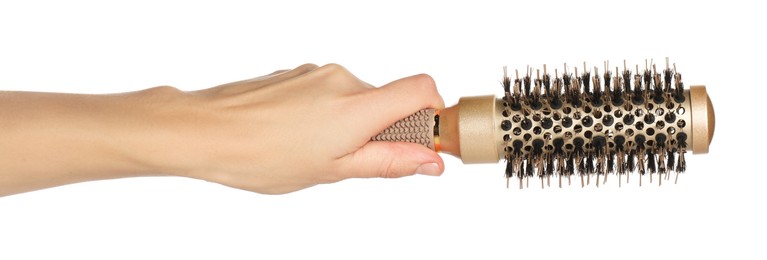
{"x":569,"y":125}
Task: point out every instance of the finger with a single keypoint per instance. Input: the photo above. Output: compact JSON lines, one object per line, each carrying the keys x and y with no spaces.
{"x":390,"y":160}
{"x":383,"y":106}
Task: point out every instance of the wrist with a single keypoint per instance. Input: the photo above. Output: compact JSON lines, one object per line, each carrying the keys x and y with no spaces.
{"x":154,"y":130}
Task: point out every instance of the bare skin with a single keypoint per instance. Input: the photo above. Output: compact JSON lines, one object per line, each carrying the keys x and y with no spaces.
{"x":273,"y":134}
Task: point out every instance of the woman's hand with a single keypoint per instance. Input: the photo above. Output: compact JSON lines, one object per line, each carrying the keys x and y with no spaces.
{"x":294,"y":129}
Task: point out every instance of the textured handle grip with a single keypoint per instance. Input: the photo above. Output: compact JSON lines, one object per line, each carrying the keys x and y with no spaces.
{"x":417,"y":128}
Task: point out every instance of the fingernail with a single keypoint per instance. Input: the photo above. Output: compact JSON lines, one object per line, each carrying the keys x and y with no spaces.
{"x":429,"y":169}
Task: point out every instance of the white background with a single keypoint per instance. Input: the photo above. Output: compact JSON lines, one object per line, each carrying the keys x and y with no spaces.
{"x":715,"y":211}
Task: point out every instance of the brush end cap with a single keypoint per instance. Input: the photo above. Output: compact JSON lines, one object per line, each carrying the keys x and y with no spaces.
{"x":703,"y":119}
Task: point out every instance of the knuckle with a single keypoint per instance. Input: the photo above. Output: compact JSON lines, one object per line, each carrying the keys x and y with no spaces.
{"x":425,"y":81}
{"x":336,"y":73}
{"x":307,"y":67}
{"x":428,"y":88}
{"x":333,"y":68}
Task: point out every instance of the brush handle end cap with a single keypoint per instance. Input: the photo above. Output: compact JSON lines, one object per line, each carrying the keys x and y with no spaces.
{"x":703,"y":120}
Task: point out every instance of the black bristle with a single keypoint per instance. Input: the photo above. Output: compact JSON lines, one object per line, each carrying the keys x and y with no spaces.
{"x":619,"y":142}
{"x":567,"y":122}
{"x":578,"y":144}
{"x":649,"y":118}
{"x":667,"y":80}
{"x":670,"y":117}
{"x":647,"y":80}
{"x":596,"y":95}
{"x":627,"y":81}
{"x":640,"y":141}
{"x":570,"y":165}
{"x":630,"y":164}
{"x":679,"y":98}
{"x":679,"y":90}
{"x":549,"y":165}
{"x":506,"y":84}
{"x":681,"y":166}
{"x":586,"y":82}
{"x":517,"y":145}
{"x":597,"y":99}
{"x":536,"y":103}
{"x":599,"y":143}
{"x":536,"y":96}
{"x":506,"y":125}
{"x":611,"y":162}
{"x":660,"y":140}
{"x":651,"y":162}
{"x":526,"y":81}
{"x":582,"y":167}
{"x":681,"y":140}
{"x":526,"y":124}
{"x":556,"y":102}
{"x":558,"y":144}
{"x":547,"y":84}
{"x":617,"y":92}
{"x":573,"y":94}
{"x":589,"y":167}
{"x":556,"y":88}
{"x":520,"y":168}
{"x":597,"y":102}
{"x":628,"y":119}
{"x":638,"y":97}
{"x":670,"y":160}
{"x":537,"y":147}
{"x":637,"y":100}
{"x":516,"y":106}
{"x":608,"y":120}
{"x":576,"y":101}
{"x":657,"y":95}
{"x":661,"y":159}
{"x":547,"y":123}
{"x":617,"y":98}
{"x":529,"y":169}
{"x":509,"y":169}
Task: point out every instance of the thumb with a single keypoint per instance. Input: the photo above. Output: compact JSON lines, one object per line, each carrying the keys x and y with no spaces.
{"x":391,"y":160}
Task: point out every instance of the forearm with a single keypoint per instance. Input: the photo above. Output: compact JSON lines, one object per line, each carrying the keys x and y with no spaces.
{"x":51,"y":139}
